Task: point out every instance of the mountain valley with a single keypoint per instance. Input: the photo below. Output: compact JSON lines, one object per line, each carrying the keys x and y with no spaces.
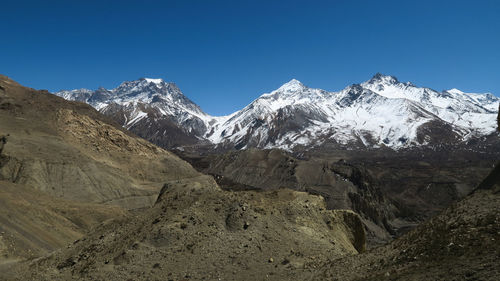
{"x":420,"y":148}
{"x":138,"y":183}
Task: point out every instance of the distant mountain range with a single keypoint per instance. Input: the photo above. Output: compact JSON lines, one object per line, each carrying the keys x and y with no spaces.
{"x":381,"y":112}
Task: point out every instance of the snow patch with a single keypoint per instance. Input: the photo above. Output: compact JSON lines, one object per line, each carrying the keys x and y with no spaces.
{"x":379,"y":112}
{"x":154,"y":80}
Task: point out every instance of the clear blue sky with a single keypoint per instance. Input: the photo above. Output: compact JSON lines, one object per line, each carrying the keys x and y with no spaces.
{"x":224,"y":54}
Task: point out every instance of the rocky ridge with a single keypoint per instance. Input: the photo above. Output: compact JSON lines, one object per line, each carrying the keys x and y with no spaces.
{"x":343,"y":185}
{"x":198,"y":231}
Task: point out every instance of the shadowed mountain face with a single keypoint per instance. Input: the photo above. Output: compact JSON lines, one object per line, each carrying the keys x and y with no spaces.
{"x":422,"y":181}
{"x":461,"y":243}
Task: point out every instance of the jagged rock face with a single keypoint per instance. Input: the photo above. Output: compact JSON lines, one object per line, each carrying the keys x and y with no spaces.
{"x":498,"y":119}
{"x":461,"y":243}
{"x":424,"y":180}
{"x":381,"y":112}
{"x":154,"y":126}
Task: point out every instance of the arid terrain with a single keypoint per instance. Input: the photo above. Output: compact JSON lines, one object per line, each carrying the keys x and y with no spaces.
{"x":64,"y":168}
{"x":83,"y":199}
{"x":461,"y":243}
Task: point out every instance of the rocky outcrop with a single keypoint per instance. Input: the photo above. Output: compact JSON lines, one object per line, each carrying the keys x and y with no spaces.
{"x":343,"y":186}
{"x":3,"y":141}
{"x":498,"y":118}
{"x":200,"y":231}
{"x":461,"y":243}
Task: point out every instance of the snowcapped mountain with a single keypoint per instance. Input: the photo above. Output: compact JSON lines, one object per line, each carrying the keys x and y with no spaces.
{"x":379,"y":112}
{"x":151,"y":108}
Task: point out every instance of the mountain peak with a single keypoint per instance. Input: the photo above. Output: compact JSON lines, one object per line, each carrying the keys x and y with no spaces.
{"x":292,"y":85}
{"x":139,"y":84}
{"x":386,"y":109}
{"x":381,"y":78}
{"x":156,"y":81}
{"x":455,"y":91}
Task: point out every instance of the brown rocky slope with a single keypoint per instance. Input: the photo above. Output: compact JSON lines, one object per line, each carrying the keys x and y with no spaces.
{"x":342,"y":185}
{"x":461,"y":243}
{"x":69,"y":150}
{"x":33,"y":223}
{"x":64,"y":168}
{"x":201,"y":232}
{"x":196,"y":230}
